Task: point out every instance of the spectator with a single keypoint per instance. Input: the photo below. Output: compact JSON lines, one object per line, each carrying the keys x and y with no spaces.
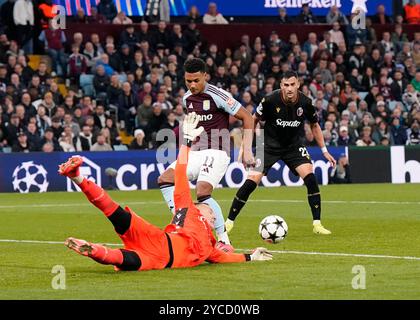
{"x":337,"y":35}
{"x":380,"y":17}
{"x":99,"y":117}
{"x":121,"y":18}
{"x":398,"y":85}
{"x":194,"y":15}
{"x":365,"y":139}
{"x":306,"y":16}
{"x":311,"y":45}
{"x":48,"y":147}
{"x":157,"y":10}
{"x":138,"y":143}
{"x":341,"y":173}
{"x":85,"y":140}
{"x":107,"y":8}
{"x":77,"y":64}
{"x":22,"y":144}
{"x":283,"y":17}
{"x":49,"y":138}
{"x":145,"y":112}
{"x":413,"y":134}
{"x":344,"y":138}
{"x":411,"y":96}
{"x":113,"y":132}
{"x":96,"y":17}
{"x":412,"y":12}
{"x":101,"y":144}
{"x":66,"y":140}
{"x":416,"y":81}
{"x":23,"y":15}
{"x":335,"y":15}
{"x":399,"y":134}
{"x":54,"y":41}
{"x":127,"y":107}
{"x":101,"y":82}
{"x":213,"y":16}
{"x":382,"y":131}
{"x":56,"y":127}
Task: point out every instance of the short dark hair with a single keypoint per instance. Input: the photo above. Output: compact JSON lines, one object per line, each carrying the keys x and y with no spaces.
{"x":289,"y":74}
{"x":194,"y":65}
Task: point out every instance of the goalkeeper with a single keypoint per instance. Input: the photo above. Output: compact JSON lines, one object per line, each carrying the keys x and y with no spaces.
{"x":186,"y":242}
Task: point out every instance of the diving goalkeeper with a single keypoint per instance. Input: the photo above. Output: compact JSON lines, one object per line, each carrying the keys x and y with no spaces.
{"x":186,"y":242}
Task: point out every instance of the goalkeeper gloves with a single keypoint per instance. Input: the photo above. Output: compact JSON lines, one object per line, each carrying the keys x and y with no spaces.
{"x":261,"y":254}
{"x":189,"y":127}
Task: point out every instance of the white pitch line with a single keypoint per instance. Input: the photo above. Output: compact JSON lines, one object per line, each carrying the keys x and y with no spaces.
{"x":334,"y":254}
{"x":50,"y":205}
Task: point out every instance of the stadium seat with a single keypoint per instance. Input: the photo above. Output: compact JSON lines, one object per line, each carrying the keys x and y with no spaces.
{"x":125,"y":138}
{"x":63,"y":89}
{"x":7,"y":149}
{"x":86,"y":83}
{"x":120,"y":147}
{"x":363,"y":95}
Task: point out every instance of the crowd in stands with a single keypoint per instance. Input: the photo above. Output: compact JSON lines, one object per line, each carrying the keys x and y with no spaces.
{"x":366,"y":90}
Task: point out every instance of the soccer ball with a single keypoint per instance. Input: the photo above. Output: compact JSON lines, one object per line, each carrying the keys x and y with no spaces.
{"x":30,"y":177}
{"x":273,"y":229}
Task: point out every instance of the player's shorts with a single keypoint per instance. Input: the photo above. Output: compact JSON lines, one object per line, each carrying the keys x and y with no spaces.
{"x":206,"y":165}
{"x":148,"y":241}
{"x":293,"y":156}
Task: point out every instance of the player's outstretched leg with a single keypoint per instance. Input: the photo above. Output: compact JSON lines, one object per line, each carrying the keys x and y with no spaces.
{"x":240,"y":200}
{"x":97,"y":252}
{"x":123,"y":259}
{"x":314,"y":200}
{"x":167,"y":187}
{"x":96,"y":195}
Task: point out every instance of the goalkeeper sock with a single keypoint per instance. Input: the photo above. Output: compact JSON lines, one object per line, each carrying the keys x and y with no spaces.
{"x":314,"y":197}
{"x":106,"y":255}
{"x":219,"y":224}
{"x":167,"y":190}
{"x":98,"y":197}
{"x":241,"y":198}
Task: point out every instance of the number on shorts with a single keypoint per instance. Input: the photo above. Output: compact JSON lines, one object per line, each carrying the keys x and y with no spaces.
{"x":209,"y":162}
{"x":304,"y":152}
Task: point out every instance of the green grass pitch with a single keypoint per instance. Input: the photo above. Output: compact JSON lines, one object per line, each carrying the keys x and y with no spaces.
{"x":379,"y":221}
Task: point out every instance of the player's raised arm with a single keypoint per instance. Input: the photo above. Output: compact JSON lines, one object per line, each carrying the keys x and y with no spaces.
{"x":182,"y":195}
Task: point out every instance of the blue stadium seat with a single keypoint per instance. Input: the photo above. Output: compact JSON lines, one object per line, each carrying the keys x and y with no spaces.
{"x":363,"y":95}
{"x":120,"y":147}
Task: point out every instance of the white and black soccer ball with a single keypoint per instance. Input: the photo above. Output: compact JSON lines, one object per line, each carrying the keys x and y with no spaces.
{"x":30,"y":177}
{"x":273,"y":229}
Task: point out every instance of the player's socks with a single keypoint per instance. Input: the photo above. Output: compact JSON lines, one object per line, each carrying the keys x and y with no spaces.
{"x":314,"y":197}
{"x":314,"y":200}
{"x":167,"y":190}
{"x":98,"y":197}
{"x":219,"y":224}
{"x":97,"y":252}
{"x":240,"y":199}
{"x":95,"y":194}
